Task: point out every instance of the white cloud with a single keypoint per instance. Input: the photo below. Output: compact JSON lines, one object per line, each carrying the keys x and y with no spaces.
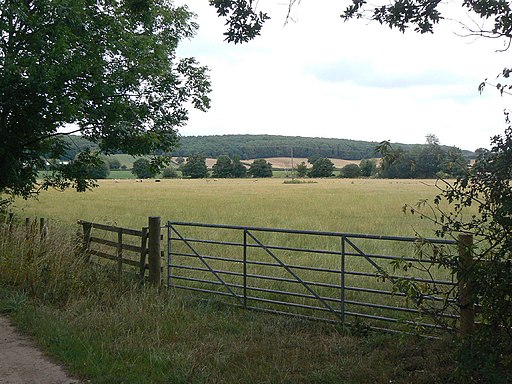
{"x":323,"y":77}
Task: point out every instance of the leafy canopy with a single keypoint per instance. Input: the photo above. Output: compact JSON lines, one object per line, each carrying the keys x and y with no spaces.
{"x":107,"y":66}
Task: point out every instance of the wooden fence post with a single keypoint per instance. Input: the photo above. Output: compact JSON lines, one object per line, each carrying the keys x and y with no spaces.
{"x":27,"y":228}
{"x":143,"y":253}
{"x":11,"y":222}
{"x":154,"y":257}
{"x":467,"y":306}
{"x":87,"y":227}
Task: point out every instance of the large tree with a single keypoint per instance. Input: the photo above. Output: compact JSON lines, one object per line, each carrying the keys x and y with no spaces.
{"x":195,"y":167}
{"x":109,"y":67}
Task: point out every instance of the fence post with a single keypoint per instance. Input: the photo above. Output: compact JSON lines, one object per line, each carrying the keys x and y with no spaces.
{"x":87,"y":227}
{"x":11,"y":220}
{"x":143,"y":253}
{"x":154,"y":256}
{"x":467,"y":306}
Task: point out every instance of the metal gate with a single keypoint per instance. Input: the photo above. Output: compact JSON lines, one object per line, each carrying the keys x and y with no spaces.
{"x":336,"y":277}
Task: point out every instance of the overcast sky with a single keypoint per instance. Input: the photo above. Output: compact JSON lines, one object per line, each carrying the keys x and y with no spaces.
{"x":321,"y":77}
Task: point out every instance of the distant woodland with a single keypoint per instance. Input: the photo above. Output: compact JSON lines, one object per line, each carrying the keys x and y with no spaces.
{"x":264,"y":146}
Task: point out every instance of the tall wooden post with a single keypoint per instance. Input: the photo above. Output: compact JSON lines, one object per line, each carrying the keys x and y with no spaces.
{"x":87,"y":227}
{"x":467,"y":306}
{"x":11,"y":221}
{"x":154,"y":257}
{"x":143,"y":253}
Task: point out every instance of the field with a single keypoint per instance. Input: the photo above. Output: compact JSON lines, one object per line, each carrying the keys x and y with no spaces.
{"x":331,"y":205}
{"x":356,"y":206}
{"x":103,"y":331}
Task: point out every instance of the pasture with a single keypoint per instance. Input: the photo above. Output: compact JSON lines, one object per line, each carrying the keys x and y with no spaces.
{"x":189,"y":341}
{"x":331,"y":205}
{"x":355,"y":206}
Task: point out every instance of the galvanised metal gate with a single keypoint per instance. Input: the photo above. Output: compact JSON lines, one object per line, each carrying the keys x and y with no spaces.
{"x":330,"y":276}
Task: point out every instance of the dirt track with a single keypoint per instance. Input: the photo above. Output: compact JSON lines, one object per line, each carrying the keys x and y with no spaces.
{"x":21,"y":362}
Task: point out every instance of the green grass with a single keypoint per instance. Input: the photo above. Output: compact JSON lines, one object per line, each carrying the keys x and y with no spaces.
{"x":358,"y":206}
{"x":109,"y":331}
{"x":338,"y":205}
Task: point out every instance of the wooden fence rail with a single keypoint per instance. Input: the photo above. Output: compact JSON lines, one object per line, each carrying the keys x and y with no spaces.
{"x":118,"y":246}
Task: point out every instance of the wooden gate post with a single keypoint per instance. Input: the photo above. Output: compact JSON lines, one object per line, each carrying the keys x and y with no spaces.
{"x":467,"y":306}
{"x":154,"y":257}
{"x":86,"y":239}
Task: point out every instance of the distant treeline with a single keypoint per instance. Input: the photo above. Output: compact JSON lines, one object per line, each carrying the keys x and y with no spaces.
{"x":265,"y":146}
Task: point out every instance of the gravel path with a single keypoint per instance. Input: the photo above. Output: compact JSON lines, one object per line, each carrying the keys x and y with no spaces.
{"x":21,"y":362}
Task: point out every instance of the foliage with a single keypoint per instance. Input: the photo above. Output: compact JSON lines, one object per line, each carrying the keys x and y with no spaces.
{"x":195,"y":167}
{"x":368,"y":167}
{"x":142,"y":169}
{"x":302,"y":170}
{"x":169,"y":173}
{"x":239,"y":170}
{"x":223,"y":168}
{"x":267,"y":146}
{"x":431,"y":161}
{"x":243,"y":22}
{"x":260,"y":168}
{"x":109,"y":67}
{"x":351,"y":171}
{"x":114,"y":163}
{"x":486,"y":189}
{"x":322,"y":167}
{"x":101,"y":170}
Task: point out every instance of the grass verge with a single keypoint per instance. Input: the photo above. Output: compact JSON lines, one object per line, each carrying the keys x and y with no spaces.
{"x":110,"y":331}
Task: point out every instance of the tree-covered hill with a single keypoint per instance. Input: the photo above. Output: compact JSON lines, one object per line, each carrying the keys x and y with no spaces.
{"x":265,"y":146}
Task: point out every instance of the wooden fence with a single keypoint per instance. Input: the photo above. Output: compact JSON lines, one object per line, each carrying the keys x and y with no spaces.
{"x":110,"y":242}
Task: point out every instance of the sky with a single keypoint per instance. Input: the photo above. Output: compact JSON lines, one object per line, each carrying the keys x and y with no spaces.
{"x":318,"y":76}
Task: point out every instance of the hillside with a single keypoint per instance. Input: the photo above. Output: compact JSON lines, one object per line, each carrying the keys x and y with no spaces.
{"x":265,"y":146}
{"x":270,"y":146}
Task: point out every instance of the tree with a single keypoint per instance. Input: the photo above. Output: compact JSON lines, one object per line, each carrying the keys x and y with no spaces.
{"x":223,"y":168}
{"x":100,"y":170}
{"x":245,"y":22}
{"x":169,"y":173}
{"x":239,"y":170}
{"x":302,"y":170}
{"x":368,"y":167}
{"x":260,"y":168}
{"x":113,"y":163}
{"x":322,"y":167}
{"x":351,"y":171}
{"x":195,"y":167}
{"x":430,"y":159}
{"x":142,"y":169}
{"x":107,"y":66}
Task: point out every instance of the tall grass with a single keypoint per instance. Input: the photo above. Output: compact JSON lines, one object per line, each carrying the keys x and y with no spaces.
{"x":353,"y":206}
{"x":111,"y":331}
